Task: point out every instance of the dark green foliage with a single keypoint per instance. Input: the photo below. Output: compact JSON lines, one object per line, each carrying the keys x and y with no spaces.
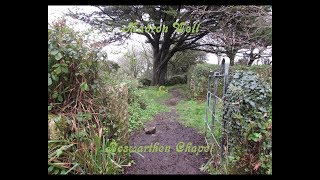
{"x":79,"y":94}
{"x":142,"y":104}
{"x":126,"y":19}
{"x":263,"y":71}
{"x":178,"y":79}
{"x":145,"y":81}
{"x":72,"y":67}
{"x":181,"y":62}
{"x":248,"y":119}
{"x":198,"y":77}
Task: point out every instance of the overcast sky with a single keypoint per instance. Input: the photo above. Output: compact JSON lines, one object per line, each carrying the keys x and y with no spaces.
{"x":113,"y":51}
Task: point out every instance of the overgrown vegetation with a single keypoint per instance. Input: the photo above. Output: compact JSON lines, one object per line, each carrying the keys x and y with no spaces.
{"x":192,"y":113}
{"x":248,"y":115}
{"x":147,"y":102}
{"x":248,"y":118}
{"x":81,"y":120}
{"x":177,"y":79}
{"x":198,"y":77}
{"x":93,"y":101}
{"x":250,"y":26}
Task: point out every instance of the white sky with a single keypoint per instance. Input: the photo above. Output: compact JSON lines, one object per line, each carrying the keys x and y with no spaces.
{"x":55,"y":12}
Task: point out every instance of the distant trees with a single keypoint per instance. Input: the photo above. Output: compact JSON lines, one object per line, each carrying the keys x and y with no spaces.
{"x":182,"y":61}
{"x":137,"y":62}
{"x":244,"y":28}
{"x":112,"y":20}
{"x":222,"y":29}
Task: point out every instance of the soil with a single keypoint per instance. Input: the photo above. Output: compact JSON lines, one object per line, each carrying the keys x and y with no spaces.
{"x":169,"y":132}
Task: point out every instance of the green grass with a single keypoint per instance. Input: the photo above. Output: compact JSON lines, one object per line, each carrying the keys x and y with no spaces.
{"x":148,"y":103}
{"x":85,"y":153}
{"x":64,"y":157}
{"x":193,"y":114}
{"x":154,"y":99}
{"x":183,"y":89}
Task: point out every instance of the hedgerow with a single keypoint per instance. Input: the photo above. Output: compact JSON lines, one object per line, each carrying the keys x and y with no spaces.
{"x":198,"y":77}
{"x":86,"y":112}
{"x":247,"y":115}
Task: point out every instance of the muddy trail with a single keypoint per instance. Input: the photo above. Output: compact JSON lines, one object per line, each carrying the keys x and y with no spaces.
{"x":169,"y":132}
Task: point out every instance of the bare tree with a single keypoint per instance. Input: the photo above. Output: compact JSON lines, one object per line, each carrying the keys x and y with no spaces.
{"x":137,"y":62}
{"x":241,"y":27}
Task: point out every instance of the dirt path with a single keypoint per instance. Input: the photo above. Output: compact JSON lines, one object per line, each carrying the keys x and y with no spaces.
{"x":168,"y":133}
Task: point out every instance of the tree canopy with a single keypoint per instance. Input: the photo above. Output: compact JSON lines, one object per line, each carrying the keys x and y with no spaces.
{"x":170,"y":29}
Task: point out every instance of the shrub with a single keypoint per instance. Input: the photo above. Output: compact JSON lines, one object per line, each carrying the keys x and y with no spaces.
{"x":242,"y":62}
{"x":113,"y":65}
{"x":86,"y":111}
{"x":178,"y":79}
{"x":248,"y":119}
{"x":198,"y":77}
{"x":145,"y":81}
{"x":72,"y":67}
{"x":198,"y":80}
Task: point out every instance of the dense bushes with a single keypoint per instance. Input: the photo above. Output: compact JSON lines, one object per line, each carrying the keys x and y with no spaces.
{"x":247,"y":114}
{"x":177,"y":79}
{"x":198,"y":77}
{"x":72,"y":68}
{"x":90,"y":105}
{"x":145,"y":81}
{"x":86,"y":110}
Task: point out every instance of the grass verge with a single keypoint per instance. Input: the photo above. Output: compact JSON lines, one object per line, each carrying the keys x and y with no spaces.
{"x":193,"y":114}
{"x":148,"y":102}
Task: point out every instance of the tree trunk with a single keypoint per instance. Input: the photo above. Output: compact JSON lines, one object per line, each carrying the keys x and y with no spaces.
{"x":160,"y":66}
{"x":251,"y":60}
{"x":231,"y":57}
{"x":253,"y":57}
{"x":232,"y":54}
{"x":159,"y":74}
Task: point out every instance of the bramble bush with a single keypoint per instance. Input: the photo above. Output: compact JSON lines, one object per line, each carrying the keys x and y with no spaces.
{"x":72,"y":67}
{"x":86,"y":112}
